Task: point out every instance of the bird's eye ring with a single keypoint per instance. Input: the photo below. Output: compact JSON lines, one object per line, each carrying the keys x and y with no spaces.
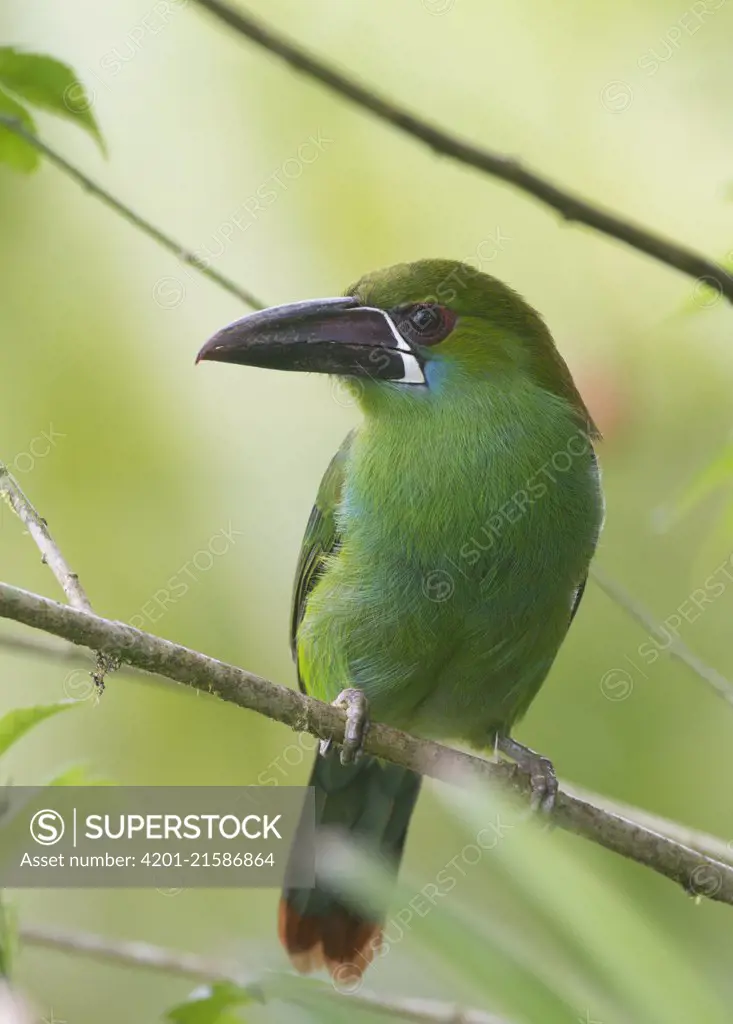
{"x":425,"y":323}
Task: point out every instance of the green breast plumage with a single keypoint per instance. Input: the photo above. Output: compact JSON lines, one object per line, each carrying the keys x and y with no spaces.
{"x":444,"y":559}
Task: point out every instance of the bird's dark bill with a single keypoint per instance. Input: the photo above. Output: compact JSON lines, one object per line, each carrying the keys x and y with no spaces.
{"x":337,"y":336}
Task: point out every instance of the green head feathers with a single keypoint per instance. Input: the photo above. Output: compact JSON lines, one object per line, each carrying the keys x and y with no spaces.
{"x":482,"y":329}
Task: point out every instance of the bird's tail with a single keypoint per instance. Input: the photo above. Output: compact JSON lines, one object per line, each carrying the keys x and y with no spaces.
{"x":372,"y":802}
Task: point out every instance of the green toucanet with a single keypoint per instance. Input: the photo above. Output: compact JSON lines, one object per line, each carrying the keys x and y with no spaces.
{"x":447,"y":550}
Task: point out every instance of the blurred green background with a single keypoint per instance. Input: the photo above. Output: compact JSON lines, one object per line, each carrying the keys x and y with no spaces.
{"x":152,"y":458}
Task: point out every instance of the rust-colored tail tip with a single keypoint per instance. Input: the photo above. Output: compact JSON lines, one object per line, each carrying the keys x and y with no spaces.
{"x":339,"y":942}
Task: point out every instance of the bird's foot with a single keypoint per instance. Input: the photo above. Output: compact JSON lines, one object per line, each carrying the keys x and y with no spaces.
{"x":542,"y":777}
{"x":357,"y":723}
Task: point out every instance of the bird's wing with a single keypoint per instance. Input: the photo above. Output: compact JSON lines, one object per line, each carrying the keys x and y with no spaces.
{"x":577,"y":597}
{"x":321,"y":539}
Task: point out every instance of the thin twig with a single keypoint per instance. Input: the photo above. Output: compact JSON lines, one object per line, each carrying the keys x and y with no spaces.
{"x":267,"y":988}
{"x":51,"y":556}
{"x":180,"y":252}
{"x":66,"y":653}
{"x":570,"y":206}
{"x":674,"y":647}
{"x":38,"y":529}
{"x":697,"y":873}
{"x":134,"y":954}
{"x":39,"y":647}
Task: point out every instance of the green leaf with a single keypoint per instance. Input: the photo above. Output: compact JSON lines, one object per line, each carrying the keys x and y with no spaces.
{"x":18,"y":722}
{"x":14,"y":150}
{"x":212,"y":1004}
{"x":47,"y":83}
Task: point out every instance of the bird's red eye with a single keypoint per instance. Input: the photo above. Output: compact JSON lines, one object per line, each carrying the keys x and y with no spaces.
{"x":425,"y":323}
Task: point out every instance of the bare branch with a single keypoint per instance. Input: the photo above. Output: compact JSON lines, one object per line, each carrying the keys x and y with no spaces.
{"x":703,"y":842}
{"x":570,"y":206}
{"x":134,"y":954}
{"x":265,"y":989}
{"x":38,"y":529}
{"x":179,"y":251}
{"x":696,"y":872}
{"x":52,"y":557}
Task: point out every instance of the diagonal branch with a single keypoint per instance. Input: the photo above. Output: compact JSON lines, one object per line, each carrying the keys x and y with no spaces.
{"x":128,"y":214}
{"x":264,"y":989}
{"x":570,"y":206}
{"x":52,"y":557}
{"x":673,"y":646}
{"x":696,"y":872}
{"x":703,"y":842}
{"x":39,"y":647}
{"x":38,"y":529}
{"x":63,"y":653}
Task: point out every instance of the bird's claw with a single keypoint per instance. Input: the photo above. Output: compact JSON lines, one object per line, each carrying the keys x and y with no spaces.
{"x":543,"y":783}
{"x":542,"y":778}
{"x":357,"y":723}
